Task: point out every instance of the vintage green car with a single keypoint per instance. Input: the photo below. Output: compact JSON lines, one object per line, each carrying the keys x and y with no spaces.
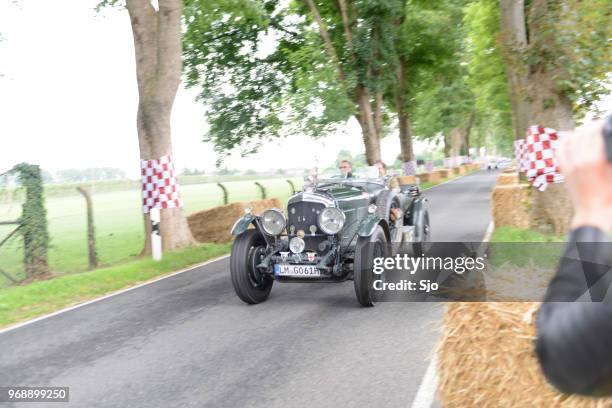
{"x":332,"y":232}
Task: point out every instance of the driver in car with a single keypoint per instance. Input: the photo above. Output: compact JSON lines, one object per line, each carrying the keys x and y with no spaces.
{"x":346,"y":168}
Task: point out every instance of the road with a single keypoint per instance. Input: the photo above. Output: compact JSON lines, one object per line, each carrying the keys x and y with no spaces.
{"x":188,"y":341}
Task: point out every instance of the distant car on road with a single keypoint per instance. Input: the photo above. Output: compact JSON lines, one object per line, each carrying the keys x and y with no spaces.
{"x":332,"y":232}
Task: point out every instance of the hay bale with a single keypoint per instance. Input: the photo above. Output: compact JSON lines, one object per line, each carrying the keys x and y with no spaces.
{"x":445,"y":173}
{"x":486,"y":359}
{"x":214,"y":224}
{"x":507,"y":178}
{"x":406,"y":180}
{"x":432,"y":177}
{"x":510,"y":205}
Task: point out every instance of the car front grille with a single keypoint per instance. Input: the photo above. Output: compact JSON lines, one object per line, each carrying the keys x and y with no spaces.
{"x":302,"y":216}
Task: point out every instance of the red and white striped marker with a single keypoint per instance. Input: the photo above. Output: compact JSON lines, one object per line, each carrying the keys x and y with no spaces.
{"x":159,"y":190}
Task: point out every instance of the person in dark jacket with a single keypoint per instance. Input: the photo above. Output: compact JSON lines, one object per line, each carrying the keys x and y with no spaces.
{"x":574,"y":324}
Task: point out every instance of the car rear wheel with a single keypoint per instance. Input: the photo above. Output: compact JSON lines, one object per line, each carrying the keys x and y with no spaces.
{"x":366,"y":250}
{"x":250,"y":284}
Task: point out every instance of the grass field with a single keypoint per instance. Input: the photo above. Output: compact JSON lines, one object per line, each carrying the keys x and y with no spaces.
{"x":118,"y":221}
{"x":19,"y":303}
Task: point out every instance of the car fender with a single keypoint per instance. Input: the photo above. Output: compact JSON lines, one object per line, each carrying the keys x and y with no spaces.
{"x":417,"y":209}
{"x":242,"y":224}
{"x":369,"y":224}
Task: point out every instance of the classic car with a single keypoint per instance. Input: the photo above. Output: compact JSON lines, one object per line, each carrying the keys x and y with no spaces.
{"x":331,"y":232}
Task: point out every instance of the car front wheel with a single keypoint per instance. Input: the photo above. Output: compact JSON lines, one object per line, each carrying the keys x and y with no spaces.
{"x":251,"y":285}
{"x":366,"y":250}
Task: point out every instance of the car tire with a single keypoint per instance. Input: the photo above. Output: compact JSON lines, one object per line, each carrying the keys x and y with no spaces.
{"x":366,"y":249}
{"x":250,"y":285}
{"x":422,"y":235}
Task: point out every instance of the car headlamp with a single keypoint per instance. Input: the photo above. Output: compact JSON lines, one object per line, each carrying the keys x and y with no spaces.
{"x":273,"y":222}
{"x":331,"y":220}
{"x":297,"y":245}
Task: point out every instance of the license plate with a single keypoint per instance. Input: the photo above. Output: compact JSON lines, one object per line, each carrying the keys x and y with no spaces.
{"x":306,"y":271}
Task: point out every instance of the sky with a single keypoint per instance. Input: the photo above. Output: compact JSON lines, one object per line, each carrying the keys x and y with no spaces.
{"x":68,"y":98}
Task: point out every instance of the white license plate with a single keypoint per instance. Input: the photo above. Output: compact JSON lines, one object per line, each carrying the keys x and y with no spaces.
{"x":306,"y":271}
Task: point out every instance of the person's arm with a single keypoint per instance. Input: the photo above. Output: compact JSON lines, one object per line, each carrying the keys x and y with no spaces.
{"x":574,"y":343}
{"x":574,"y":324}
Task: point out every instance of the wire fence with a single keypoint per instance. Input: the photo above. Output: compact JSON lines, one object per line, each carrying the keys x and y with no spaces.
{"x":118,"y":222}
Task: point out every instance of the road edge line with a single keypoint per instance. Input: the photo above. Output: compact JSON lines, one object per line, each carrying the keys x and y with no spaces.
{"x":429,"y":385}
{"x":109,"y":295}
{"x":428,"y":388}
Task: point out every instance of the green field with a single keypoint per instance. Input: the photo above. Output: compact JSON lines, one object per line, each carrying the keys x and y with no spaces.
{"x":118,"y":221}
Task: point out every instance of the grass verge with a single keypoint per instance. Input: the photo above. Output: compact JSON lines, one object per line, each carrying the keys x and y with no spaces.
{"x":20,"y":303}
{"x":521,"y":247}
{"x":512,"y":234}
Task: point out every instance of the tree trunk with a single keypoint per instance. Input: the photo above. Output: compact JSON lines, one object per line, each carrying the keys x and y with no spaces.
{"x":467,"y":132}
{"x":91,"y":233}
{"x":535,"y":99}
{"x":514,"y":40}
{"x":447,"y":145}
{"x":157,"y":44}
{"x":405,"y":134}
{"x":366,"y":119}
{"x":456,"y":136}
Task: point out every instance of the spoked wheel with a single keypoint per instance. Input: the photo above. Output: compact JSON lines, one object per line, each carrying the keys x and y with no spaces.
{"x":422,"y":235}
{"x":366,"y":250}
{"x":251,"y":285}
{"x":386,"y":205}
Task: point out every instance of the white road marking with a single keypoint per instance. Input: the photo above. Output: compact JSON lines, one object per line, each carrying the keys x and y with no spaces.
{"x":118,"y":292}
{"x":426,"y":393}
{"x":429,"y":385}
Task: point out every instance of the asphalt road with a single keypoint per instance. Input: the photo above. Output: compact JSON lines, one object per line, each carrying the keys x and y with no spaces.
{"x":188,"y":341}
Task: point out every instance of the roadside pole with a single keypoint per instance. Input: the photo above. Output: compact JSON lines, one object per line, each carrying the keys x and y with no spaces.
{"x":156,"y":241}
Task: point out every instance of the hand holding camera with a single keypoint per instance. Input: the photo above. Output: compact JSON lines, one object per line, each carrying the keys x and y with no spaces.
{"x":586,"y":162}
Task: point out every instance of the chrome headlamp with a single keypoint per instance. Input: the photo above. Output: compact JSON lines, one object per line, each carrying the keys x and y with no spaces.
{"x":331,"y":220}
{"x":273,"y":222}
{"x":297,"y":245}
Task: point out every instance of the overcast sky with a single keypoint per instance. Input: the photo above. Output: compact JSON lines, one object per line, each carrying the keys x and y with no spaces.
{"x":68,"y":98}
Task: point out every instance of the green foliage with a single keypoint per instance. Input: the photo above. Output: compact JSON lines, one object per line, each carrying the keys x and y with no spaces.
{"x":487,"y":77}
{"x":241,"y":82}
{"x":580,"y":51}
{"x":433,"y":40}
{"x":34,"y":220}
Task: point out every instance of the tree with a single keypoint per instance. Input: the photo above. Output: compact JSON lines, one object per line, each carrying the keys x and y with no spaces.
{"x":487,"y":78}
{"x":440,"y":96}
{"x":33,"y":220}
{"x":157,"y":45}
{"x":557,"y":56}
{"x":313,"y":79}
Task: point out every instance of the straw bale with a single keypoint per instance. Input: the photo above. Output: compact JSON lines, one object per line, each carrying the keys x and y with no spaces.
{"x":214,"y":224}
{"x":507,"y":178}
{"x":486,"y":359}
{"x":511,"y":205}
{"x":445,"y":173}
{"x":433,"y":176}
